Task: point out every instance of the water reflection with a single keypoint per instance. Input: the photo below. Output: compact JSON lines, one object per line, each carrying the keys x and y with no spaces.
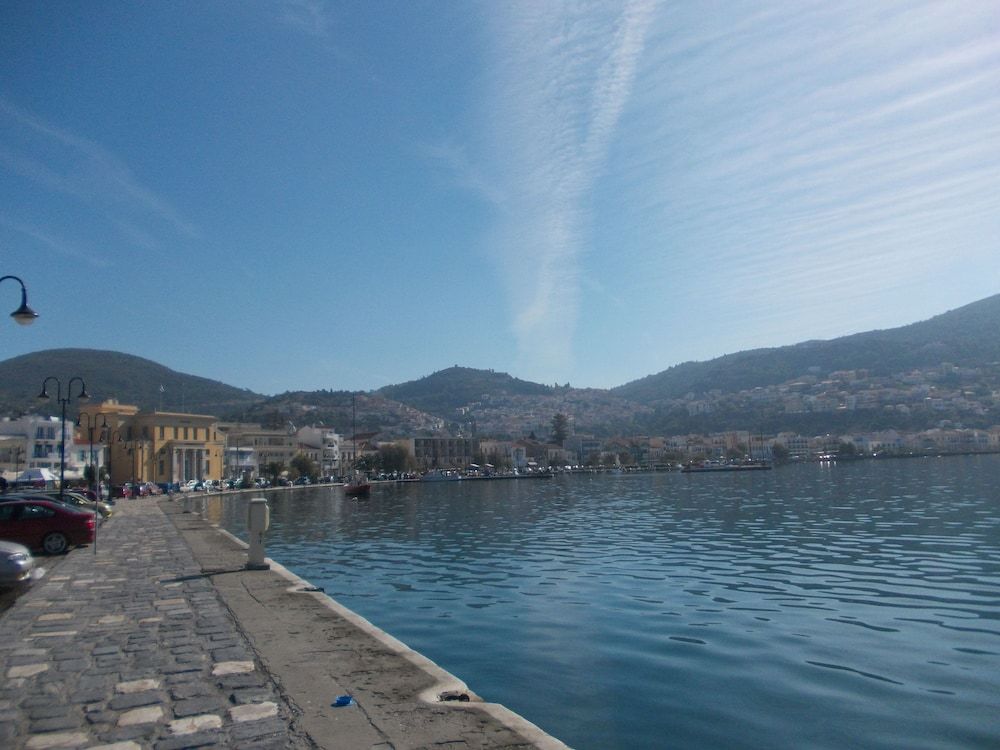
{"x":819,"y":606}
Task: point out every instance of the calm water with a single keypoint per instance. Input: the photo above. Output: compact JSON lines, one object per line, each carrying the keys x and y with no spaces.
{"x":820,"y":606}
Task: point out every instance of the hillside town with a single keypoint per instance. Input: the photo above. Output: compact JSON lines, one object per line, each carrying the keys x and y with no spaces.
{"x":123,"y":445}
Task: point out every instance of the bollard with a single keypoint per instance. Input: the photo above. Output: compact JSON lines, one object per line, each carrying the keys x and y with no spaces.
{"x":258,"y":521}
{"x":187,"y":503}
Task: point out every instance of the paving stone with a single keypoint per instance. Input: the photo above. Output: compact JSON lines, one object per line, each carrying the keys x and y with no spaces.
{"x":192,"y":724}
{"x":200,"y":705}
{"x":26,"y":670}
{"x":137,"y":686}
{"x":55,"y":723}
{"x":47,"y":711}
{"x":250,"y":695}
{"x":133,"y":700}
{"x":146,"y":715}
{"x":232,"y":667}
{"x":254,"y":711}
{"x":192,"y":690}
{"x":270,"y":727}
{"x":57,"y":739}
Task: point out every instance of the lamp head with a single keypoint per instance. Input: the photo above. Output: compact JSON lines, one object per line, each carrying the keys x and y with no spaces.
{"x":24,"y":315}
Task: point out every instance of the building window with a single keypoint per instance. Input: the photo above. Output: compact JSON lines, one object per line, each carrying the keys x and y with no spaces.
{"x":162,"y":431}
{"x":208,"y":467}
{"x":185,"y":433}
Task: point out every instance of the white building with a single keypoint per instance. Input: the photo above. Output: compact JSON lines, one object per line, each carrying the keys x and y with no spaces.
{"x":32,"y":442}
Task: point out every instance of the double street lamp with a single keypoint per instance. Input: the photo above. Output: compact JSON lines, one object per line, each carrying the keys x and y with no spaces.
{"x":81,"y":396}
{"x":24,"y":315}
{"x":92,"y":423}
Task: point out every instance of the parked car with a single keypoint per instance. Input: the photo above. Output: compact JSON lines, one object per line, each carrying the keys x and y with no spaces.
{"x":77,"y":500}
{"x":16,"y":564}
{"x":302,"y":481}
{"x":47,"y":525}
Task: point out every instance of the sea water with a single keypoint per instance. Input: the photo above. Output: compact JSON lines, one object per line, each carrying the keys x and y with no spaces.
{"x":817,"y":605}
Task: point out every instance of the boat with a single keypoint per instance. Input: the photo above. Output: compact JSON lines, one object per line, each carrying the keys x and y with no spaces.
{"x":706,"y":466}
{"x":359,"y":486}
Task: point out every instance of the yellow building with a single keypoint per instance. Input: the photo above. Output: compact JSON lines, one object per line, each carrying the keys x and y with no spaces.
{"x":158,"y":446}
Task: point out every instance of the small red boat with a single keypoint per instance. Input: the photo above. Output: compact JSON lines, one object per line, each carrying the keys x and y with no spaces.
{"x":357,"y":488}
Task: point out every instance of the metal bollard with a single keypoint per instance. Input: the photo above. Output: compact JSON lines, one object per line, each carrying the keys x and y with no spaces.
{"x":258,"y":521}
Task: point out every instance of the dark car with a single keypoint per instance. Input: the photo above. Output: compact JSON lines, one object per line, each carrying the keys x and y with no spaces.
{"x":46,"y":525}
{"x":77,"y":500}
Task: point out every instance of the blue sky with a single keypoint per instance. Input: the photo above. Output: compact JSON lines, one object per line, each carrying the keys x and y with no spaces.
{"x":308,"y":194}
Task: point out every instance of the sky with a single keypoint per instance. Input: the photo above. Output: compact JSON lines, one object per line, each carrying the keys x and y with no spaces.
{"x":308,"y":194}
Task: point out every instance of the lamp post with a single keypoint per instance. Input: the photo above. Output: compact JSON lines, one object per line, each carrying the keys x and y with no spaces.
{"x":92,"y":423}
{"x":113,"y":436}
{"x":237,"y":473}
{"x":81,"y":396}
{"x":23,"y":315}
{"x":18,"y":453}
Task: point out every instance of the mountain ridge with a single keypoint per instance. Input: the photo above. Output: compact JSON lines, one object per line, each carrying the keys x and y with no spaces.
{"x":464,"y":400}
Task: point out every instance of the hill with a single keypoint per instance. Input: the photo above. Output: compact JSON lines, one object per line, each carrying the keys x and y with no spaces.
{"x":443,"y":392}
{"x":945,"y":369}
{"x":966,"y":337}
{"x":130,"y":379}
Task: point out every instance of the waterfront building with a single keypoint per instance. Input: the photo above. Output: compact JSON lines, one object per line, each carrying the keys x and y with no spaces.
{"x":157,"y":446}
{"x":325,"y":444}
{"x":259,"y":446}
{"x":443,"y":452}
{"x":32,"y":442}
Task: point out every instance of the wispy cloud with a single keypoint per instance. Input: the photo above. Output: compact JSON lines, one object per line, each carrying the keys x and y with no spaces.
{"x":61,"y":245}
{"x":64,"y":162}
{"x":311,"y":17}
{"x":462,"y":171}
{"x":567,"y":74}
{"x":825,"y":158}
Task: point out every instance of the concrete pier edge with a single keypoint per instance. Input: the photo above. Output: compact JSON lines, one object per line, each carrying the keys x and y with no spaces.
{"x":440,"y":681}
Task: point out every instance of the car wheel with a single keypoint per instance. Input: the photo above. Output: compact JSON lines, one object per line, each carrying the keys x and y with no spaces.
{"x":55,"y":543}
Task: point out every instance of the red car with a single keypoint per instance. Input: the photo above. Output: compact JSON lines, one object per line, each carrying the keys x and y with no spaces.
{"x":46,"y":525}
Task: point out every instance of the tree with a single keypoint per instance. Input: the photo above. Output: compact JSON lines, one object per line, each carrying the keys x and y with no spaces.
{"x":560,"y":428}
{"x":779,"y":453}
{"x":846,"y":449}
{"x":274,"y":470}
{"x":303,"y":466}
{"x":395,"y":458}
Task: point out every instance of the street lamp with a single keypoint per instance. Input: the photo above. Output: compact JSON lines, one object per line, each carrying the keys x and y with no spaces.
{"x":24,"y":315}
{"x":112,"y":436}
{"x":81,"y":396}
{"x":91,"y":424}
{"x":18,"y":454}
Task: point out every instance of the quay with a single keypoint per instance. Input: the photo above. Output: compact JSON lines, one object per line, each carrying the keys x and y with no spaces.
{"x":163,"y":639}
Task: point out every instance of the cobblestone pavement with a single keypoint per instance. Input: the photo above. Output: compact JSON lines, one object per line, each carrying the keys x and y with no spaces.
{"x":131,"y":648}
